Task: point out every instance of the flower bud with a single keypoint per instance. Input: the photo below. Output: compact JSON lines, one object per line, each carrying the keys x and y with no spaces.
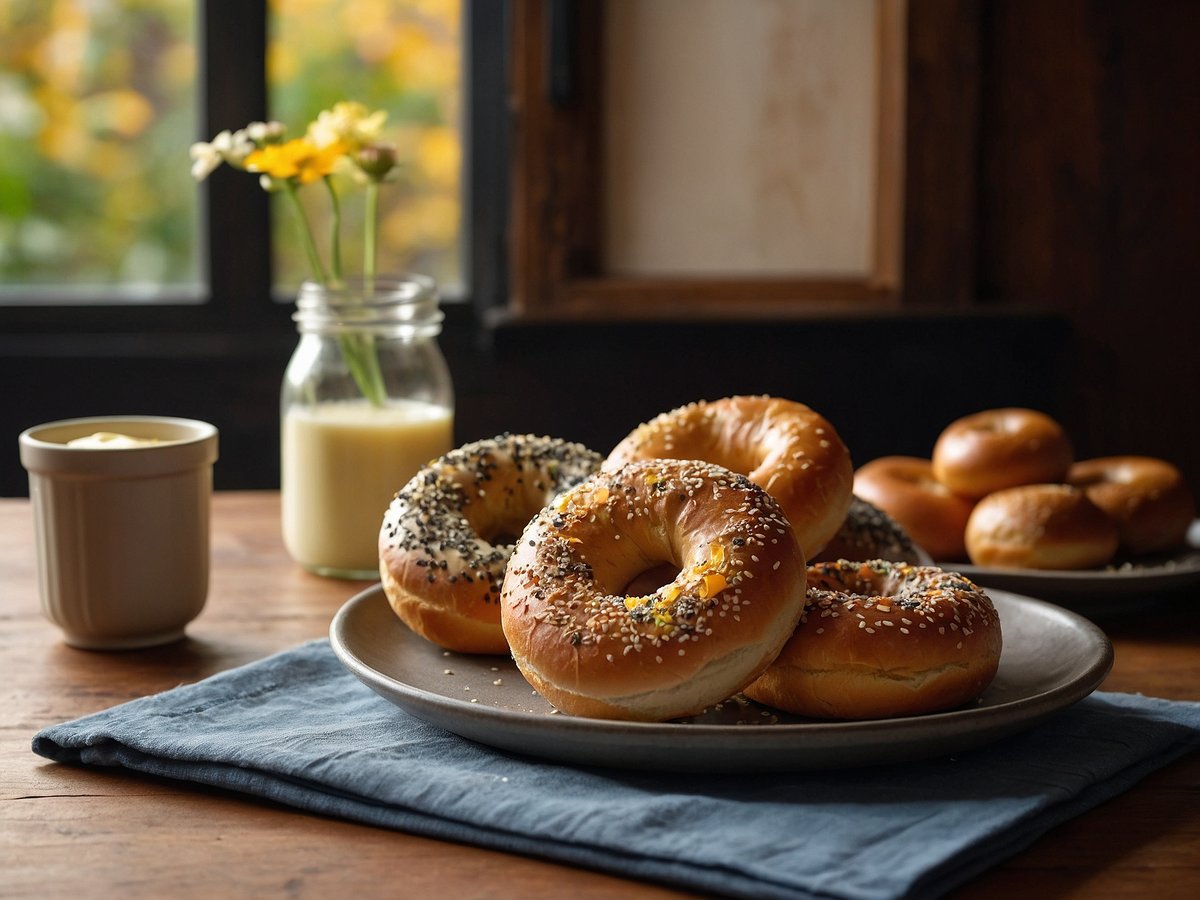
{"x":376,"y":160}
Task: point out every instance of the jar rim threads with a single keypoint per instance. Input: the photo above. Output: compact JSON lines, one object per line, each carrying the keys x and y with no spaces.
{"x":406,"y":304}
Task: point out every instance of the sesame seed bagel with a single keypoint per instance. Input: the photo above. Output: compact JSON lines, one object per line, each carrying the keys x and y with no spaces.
{"x":447,"y":535}
{"x":880,"y":639}
{"x":591,"y":649}
{"x":785,"y":447}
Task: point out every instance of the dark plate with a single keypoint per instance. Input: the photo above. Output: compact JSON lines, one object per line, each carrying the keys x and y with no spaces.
{"x":1124,"y":587}
{"x":1051,"y":659}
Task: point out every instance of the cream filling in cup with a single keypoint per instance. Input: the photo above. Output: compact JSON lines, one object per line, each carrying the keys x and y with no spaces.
{"x":121,"y":508}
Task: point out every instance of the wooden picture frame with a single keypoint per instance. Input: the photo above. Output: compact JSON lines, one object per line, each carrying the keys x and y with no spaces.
{"x":556,"y":269}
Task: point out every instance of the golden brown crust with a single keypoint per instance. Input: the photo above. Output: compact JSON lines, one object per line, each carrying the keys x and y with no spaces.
{"x":1001,"y":448}
{"x":591,"y":649}
{"x":1040,"y":526}
{"x":904,"y":488}
{"x":879,"y":639}
{"x":785,"y":447}
{"x":1147,"y":497}
{"x":447,"y":535}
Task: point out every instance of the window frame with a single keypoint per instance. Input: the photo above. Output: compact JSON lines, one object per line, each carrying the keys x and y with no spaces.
{"x":234,"y":224}
{"x":557,"y":174}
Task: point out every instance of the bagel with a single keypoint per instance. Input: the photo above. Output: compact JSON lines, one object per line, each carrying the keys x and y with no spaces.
{"x":881,"y":639}
{"x":1001,"y":448}
{"x":447,"y":534}
{"x":592,"y":649}
{"x":870,"y":533}
{"x":1040,"y":526}
{"x":1146,"y":497}
{"x":785,"y":447}
{"x":905,"y":489}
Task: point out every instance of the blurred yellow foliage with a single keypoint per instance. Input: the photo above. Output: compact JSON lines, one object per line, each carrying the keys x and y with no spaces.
{"x":122,"y":112}
{"x":439,"y":157}
{"x":404,"y":56}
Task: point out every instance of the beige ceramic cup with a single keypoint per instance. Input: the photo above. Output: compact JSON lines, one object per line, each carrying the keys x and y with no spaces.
{"x":122,"y":526}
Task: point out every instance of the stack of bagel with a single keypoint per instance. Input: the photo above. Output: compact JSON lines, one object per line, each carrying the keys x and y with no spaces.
{"x":677,"y":571}
{"x":1002,"y":489}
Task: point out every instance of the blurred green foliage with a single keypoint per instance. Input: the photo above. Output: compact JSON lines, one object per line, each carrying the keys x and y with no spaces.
{"x":95,"y":99}
{"x":98,"y":106}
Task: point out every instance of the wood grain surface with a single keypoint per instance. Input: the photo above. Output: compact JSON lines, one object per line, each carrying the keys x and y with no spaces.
{"x":72,"y":832}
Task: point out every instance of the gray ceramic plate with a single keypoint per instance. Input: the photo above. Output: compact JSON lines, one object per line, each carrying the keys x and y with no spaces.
{"x":1116,"y":589}
{"x":1051,"y":659}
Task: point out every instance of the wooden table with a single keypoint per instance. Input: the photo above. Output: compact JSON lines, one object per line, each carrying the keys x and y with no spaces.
{"x":72,"y":832}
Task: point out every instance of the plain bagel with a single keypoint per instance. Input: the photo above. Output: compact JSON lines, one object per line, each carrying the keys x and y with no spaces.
{"x":904,"y":487}
{"x":1040,"y":526}
{"x":1001,"y":448}
{"x":1146,"y":497}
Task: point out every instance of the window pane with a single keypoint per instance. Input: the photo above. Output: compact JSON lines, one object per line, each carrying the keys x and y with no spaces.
{"x":97,"y":109}
{"x":400,"y":56}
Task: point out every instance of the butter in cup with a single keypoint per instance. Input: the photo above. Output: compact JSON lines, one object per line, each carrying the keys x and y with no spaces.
{"x":122,"y":526}
{"x":111,"y":440}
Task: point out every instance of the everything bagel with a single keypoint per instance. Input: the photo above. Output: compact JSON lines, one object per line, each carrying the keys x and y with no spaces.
{"x":447,"y":535}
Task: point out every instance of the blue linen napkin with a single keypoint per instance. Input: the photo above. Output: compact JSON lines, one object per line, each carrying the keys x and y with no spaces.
{"x":297,"y":728}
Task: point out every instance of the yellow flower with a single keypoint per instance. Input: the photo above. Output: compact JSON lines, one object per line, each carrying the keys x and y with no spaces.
{"x":299,"y":160}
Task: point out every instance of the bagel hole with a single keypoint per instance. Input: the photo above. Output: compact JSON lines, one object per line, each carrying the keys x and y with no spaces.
{"x":504,"y":535}
{"x":499,"y":531}
{"x":650,"y":580}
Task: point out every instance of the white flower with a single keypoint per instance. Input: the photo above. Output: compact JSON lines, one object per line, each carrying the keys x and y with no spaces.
{"x":207,"y":156}
{"x":228,"y":146}
{"x":238,"y":147}
{"x":266,"y":132}
{"x":348,"y":122}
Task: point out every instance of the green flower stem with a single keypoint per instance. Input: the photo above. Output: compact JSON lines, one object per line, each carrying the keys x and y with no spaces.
{"x":335,"y":230}
{"x":306,"y":237}
{"x":359,"y":349}
{"x":370,"y":233}
{"x":359,"y":352}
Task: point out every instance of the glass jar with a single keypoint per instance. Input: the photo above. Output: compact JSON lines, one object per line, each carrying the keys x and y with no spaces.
{"x":366,"y":401}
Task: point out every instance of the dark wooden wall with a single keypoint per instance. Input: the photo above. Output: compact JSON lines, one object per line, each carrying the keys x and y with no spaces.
{"x":1054,"y":165}
{"x":1090,"y":205}
{"x":1051,"y":260}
